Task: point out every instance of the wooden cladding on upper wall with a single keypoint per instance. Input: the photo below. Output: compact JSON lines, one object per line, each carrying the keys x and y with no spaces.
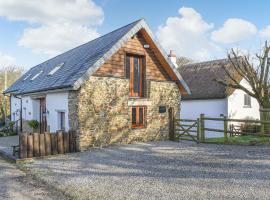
{"x":115,"y":66}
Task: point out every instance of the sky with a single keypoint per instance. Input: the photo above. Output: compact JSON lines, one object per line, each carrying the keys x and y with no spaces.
{"x":32,"y":31}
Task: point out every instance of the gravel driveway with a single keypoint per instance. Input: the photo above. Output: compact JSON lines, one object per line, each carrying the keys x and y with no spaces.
{"x":17,"y":185}
{"x":161,"y":170}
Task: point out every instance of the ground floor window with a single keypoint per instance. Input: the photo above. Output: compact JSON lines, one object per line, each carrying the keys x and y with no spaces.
{"x":61,"y":120}
{"x":247,"y":100}
{"x":138,"y":114}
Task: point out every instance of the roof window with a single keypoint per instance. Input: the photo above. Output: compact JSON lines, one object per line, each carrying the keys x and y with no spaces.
{"x":27,"y":77}
{"x":34,"y":77}
{"x":55,"y":69}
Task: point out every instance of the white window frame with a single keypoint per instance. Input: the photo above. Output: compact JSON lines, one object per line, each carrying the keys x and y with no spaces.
{"x":34,"y":77}
{"x":52,"y":72}
{"x":27,"y":77}
{"x":247,"y":101}
{"x":61,"y":121}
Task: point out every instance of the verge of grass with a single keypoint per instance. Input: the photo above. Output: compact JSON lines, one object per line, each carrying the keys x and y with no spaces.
{"x":246,"y":139}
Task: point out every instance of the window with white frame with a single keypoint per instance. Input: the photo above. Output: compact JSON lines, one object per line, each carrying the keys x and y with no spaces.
{"x":61,"y":120}
{"x":55,"y":69}
{"x":247,"y":100}
{"x":34,"y":77}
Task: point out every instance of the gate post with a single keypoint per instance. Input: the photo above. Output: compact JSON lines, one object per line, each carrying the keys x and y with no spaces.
{"x":171,"y":124}
{"x":202,"y":134}
{"x":198,"y":129}
{"x":225,"y":129}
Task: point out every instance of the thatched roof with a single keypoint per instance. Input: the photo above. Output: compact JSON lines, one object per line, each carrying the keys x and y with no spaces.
{"x":201,"y":79}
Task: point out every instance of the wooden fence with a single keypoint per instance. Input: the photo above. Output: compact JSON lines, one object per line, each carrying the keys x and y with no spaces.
{"x":180,"y":128}
{"x":36,"y":144}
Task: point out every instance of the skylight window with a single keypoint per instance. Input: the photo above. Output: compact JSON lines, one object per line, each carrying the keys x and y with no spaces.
{"x":27,"y":77}
{"x":34,"y":77}
{"x":55,"y":69}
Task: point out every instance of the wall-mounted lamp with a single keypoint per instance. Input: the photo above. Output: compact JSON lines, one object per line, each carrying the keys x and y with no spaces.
{"x":146,"y":46}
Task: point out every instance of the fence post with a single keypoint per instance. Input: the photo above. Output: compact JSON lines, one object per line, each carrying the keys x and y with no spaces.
{"x":171,"y":124}
{"x":23,"y":145}
{"x":198,"y":129}
{"x":202,"y":133}
{"x":225,"y":129}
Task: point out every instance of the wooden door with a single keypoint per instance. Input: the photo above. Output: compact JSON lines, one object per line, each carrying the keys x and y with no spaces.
{"x":43,"y":120}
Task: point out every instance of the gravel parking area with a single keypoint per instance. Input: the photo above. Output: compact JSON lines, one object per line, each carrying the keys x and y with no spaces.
{"x":17,"y":185}
{"x":161,"y":170}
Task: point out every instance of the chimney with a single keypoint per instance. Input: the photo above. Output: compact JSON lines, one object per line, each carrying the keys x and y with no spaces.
{"x":172,"y":57}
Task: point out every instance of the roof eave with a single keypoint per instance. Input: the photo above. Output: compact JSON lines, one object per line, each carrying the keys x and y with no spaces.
{"x":140,"y":24}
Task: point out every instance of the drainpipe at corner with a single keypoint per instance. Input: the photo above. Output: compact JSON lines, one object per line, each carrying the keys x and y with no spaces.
{"x":20,"y":112}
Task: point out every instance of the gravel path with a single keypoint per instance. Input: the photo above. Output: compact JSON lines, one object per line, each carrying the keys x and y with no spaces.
{"x":16,"y":185}
{"x":161,"y":170}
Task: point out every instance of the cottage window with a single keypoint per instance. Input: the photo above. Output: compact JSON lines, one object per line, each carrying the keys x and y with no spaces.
{"x":247,"y":100}
{"x":61,"y":120}
{"x":138,"y":116}
{"x":135,"y":71}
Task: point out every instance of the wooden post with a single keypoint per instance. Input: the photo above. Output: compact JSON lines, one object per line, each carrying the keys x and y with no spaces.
{"x":171,"y":124}
{"x":42,"y":144}
{"x":48,"y":145}
{"x":23,"y":145}
{"x":36,"y":144}
{"x":225,"y":129}
{"x":60,"y":144}
{"x":202,"y":131}
{"x":30,"y":146}
{"x":66,"y":142}
{"x":77,"y":143}
{"x":198,"y":129}
{"x":54,"y":144}
{"x":71,"y":141}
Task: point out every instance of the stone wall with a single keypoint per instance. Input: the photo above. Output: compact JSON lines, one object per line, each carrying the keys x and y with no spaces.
{"x":100,"y":110}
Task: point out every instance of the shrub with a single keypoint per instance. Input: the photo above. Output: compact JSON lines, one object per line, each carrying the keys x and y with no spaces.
{"x":250,"y":128}
{"x":33,"y":124}
{"x":11,"y":124}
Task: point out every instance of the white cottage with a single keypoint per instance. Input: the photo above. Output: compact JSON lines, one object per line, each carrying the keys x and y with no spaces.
{"x":213,"y":99}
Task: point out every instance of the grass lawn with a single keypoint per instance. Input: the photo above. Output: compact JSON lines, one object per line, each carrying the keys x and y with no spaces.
{"x":247,"y":139}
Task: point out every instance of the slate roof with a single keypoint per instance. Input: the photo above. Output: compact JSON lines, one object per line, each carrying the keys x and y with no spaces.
{"x":201,"y":79}
{"x":81,"y":62}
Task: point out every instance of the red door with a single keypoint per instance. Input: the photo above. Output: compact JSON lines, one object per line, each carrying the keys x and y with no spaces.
{"x":43,"y":120}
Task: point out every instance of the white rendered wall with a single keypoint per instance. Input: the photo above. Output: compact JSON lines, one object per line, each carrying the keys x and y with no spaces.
{"x":30,"y":108}
{"x":236,"y":108}
{"x":15,"y":108}
{"x":191,"y":109}
{"x":56,"y":102}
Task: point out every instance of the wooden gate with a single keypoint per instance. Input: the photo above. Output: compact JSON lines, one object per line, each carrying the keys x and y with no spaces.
{"x":187,"y":129}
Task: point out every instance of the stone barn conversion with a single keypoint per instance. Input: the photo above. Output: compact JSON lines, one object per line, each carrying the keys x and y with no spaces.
{"x":116,"y":88}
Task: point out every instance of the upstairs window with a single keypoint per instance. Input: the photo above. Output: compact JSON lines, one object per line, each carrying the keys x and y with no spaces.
{"x":138,"y":114}
{"x":247,"y":100}
{"x":55,"y":69}
{"x":34,"y":77}
{"x":135,"y":71}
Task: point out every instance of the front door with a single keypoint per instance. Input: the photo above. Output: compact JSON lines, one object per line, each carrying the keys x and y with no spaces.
{"x":43,"y":120}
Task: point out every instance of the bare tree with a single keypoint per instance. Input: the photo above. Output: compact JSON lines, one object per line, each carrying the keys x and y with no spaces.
{"x":8,"y":75}
{"x":257,"y":75}
{"x":182,"y":61}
